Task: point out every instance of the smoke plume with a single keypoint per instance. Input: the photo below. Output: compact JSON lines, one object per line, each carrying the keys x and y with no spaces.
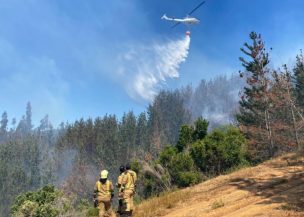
{"x":147,"y":68}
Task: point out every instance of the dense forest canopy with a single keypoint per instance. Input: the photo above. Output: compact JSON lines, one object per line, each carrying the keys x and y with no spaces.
{"x":73,"y":153}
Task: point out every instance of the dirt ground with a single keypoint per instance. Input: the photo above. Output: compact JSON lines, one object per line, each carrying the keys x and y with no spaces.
{"x":274,"y":188}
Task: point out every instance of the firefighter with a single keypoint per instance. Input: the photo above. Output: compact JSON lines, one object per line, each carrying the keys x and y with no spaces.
{"x":103,"y":194}
{"x":129,"y":185}
{"x":120,"y":190}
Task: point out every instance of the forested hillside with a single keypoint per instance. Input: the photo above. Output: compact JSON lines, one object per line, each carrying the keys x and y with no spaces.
{"x":72,"y":154}
{"x":177,"y":141}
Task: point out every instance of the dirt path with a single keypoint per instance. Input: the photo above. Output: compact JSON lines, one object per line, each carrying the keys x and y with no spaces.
{"x":275,"y":188}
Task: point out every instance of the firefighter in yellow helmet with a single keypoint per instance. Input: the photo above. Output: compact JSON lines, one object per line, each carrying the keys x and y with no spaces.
{"x":103,"y":194}
{"x":129,"y":184}
{"x":121,"y":208}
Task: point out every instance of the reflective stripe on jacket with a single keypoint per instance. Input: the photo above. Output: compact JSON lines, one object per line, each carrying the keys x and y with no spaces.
{"x":103,"y":191}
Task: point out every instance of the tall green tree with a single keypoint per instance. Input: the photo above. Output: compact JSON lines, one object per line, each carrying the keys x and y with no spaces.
{"x":201,"y":128}
{"x":254,"y":117}
{"x":128,"y":133}
{"x":28,"y":117}
{"x":3,"y":125}
{"x":166,"y":115}
{"x":142,"y":132}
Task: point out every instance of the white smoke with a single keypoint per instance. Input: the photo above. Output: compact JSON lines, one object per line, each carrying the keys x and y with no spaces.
{"x":147,"y":68}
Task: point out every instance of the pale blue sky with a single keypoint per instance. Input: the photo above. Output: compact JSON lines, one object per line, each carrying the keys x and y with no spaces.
{"x":64,"y":56}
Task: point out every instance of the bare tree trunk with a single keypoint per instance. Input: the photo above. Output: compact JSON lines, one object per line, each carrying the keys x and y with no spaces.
{"x":295,"y":129}
{"x":270,"y":136}
{"x":294,"y":125}
{"x":293,"y":120}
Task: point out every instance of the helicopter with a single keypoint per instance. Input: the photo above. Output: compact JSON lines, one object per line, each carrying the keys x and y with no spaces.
{"x":188,"y":20}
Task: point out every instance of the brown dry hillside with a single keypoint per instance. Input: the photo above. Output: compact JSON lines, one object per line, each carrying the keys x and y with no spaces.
{"x":274,"y":188}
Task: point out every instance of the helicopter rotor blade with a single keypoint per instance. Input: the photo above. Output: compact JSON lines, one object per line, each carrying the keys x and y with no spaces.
{"x":175,"y":25}
{"x":197,"y":7}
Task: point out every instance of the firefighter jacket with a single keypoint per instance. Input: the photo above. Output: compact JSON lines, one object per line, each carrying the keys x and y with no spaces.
{"x":103,"y":192}
{"x":129,"y":180}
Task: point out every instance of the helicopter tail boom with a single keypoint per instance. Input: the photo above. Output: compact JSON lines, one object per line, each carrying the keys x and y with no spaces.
{"x":164,"y":17}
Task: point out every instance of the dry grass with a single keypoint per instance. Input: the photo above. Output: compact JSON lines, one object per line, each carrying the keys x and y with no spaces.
{"x":158,"y":206}
{"x":217,"y":204}
{"x":273,"y":188}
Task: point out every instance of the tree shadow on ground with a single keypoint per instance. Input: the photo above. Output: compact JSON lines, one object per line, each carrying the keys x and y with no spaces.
{"x":287,"y":189}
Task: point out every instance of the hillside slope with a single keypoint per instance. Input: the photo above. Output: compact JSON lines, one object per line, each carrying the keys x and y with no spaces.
{"x":274,"y":188}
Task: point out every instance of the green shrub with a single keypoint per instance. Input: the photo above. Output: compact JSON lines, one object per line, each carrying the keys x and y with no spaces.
{"x":45,"y":202}
{"x":201,"y":129}
{"x":189,"y":134}
{"x":166,"y":156}
{"x":46,"y":210}
{"x":183,"y":171}
{"x":43,"y":196}
{"x":29,"y":208}
{"x":185,"y":137}
{"x":219,"y":151}
{"x":181,"y":162}
{"x":185,"y":179}
{"x":150,"y":187}
{"x":199,"y":154}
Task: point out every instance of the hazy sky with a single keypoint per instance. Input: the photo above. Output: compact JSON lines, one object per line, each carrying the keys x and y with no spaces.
{"x":67,"y":57}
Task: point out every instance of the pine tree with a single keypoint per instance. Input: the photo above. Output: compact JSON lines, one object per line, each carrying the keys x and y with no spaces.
{"x":254,"y":118}
{"x":89,"y":136}
{"x":128,"y":133}
{"x":142,"y":132}
{"x":3,"y":125}
{"x":28,"y":117}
